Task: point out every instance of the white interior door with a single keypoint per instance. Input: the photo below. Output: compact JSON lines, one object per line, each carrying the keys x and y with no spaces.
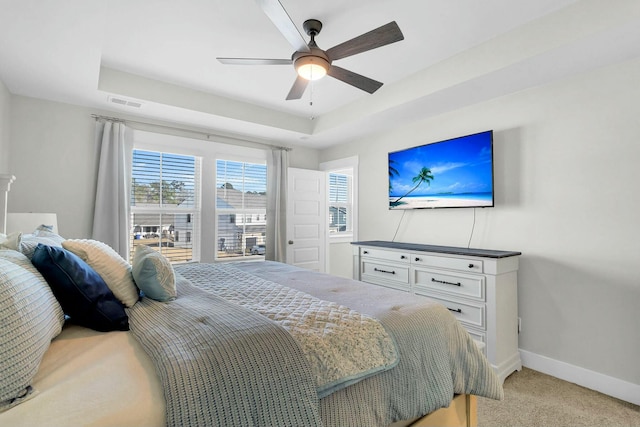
{"x":307,"y":219}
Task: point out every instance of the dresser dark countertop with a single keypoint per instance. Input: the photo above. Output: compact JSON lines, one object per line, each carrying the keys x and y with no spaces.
{"x":487,"y":253}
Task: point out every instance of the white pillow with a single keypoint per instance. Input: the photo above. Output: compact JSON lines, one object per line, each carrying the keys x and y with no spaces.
{"x":114,"y":270}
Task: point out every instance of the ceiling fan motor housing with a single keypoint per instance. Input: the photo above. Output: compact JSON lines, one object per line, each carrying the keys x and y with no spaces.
{"x":316,"y":57}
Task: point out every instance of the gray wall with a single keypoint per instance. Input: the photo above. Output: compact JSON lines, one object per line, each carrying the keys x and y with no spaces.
{"x":51,"y":146}
{"x":566,"y":180}
{"x":5,"y":105}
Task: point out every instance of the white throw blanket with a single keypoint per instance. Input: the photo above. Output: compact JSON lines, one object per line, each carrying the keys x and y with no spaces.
{"x":341,"y":345}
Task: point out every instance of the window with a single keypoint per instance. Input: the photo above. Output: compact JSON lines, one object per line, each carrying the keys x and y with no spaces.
{"x":241,"y":200}
{"x":165,"y":205}
{"x":339,"y":203}
{"x":342,"y":196}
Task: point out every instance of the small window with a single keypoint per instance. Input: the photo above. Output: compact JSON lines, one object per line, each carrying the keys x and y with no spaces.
{"x":340,"y":203}
{"x":342,"y":196}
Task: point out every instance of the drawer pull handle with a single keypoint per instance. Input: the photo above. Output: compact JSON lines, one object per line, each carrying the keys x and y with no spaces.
{"x":384,"y":271}
{"x":365,"y":252}
{"x":417,"y":259}
{"x":470,"y":265}
{"x":455,"y":310}
{"x":402,"y":257}
{"x":446,"y":283}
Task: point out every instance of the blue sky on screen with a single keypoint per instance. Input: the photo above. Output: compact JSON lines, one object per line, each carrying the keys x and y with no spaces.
{"x":460,"y":165}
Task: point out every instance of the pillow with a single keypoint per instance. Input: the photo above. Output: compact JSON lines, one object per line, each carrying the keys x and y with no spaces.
{"x":153,"y":274}
{"x":11,"y":241}
{"x":82,"y":293}
{"x":114,"y":270}
{"x":30,"y":317}
{"x":43,"y":235}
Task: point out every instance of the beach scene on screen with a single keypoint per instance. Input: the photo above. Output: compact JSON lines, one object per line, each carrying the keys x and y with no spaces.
{"x":448,"y":174}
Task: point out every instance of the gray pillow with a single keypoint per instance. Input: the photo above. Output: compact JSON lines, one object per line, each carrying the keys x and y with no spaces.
{"x":30,"y":317}
{"x":42,"y":234}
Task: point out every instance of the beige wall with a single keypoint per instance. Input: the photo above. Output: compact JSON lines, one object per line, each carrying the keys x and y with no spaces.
{"x":566,"y":182}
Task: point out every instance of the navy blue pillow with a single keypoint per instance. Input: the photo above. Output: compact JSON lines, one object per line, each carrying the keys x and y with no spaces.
{"x":82,"y":293}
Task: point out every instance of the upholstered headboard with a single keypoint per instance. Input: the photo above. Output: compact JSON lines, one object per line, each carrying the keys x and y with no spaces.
{"x":27,"y":222}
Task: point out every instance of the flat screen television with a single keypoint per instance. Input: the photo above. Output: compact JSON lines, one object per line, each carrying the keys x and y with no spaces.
{"x":455,"y":173}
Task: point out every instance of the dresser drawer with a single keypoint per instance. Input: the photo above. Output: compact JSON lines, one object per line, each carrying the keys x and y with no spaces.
{"x":396,"y":276}
{"x":468,"y":314}
{"x":469,"y":286}
{"x":394,"y":256}
{"x":461,"y":264}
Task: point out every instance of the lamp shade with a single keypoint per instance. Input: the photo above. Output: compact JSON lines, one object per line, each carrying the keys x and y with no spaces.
{"x":311,"y":67}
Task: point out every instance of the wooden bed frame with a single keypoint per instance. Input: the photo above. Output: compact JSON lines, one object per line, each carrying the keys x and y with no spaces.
{"x":462,"y":412}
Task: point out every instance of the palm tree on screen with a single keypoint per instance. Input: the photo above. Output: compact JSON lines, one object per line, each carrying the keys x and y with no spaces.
{"x":423,"y":176}
{"x":392,"y":172}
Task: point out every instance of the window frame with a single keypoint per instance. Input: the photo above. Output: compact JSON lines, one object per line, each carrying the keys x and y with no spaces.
{"x":209,"y":149}
{"x":345,"y":166}
{"x":160,"y":210}
{"x":244,"y":211}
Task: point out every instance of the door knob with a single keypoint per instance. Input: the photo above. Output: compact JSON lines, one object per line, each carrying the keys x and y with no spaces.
{"x":291,"y":242}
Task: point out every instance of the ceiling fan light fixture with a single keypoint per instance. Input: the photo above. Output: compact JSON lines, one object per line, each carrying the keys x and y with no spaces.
{"x":311,"y":67}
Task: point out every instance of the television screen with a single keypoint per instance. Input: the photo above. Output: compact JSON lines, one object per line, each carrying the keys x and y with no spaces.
{"x":456,"y":173}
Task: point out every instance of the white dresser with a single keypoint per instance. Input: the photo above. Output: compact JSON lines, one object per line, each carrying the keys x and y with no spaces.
{"x":480,"y":288}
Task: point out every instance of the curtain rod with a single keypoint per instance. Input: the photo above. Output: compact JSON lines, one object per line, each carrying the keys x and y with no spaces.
{"x":208,"y":135}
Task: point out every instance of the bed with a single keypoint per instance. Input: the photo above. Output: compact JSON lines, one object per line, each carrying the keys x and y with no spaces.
{"x":228,"y":344}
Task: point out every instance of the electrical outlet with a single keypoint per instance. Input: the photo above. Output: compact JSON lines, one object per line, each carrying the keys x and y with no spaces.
{"x":519,"y":324}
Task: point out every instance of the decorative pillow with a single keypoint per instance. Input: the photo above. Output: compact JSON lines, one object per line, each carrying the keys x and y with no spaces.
{"x":82,"y":293}
{"x":114,"y":270}
{"x":43,"y":235}
{"x":153,"y":274}
{"x":11,"y":241}
{"x":30,"y":317}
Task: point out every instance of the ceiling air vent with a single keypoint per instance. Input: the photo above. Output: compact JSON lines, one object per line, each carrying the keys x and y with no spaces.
{"x":125,"y":102}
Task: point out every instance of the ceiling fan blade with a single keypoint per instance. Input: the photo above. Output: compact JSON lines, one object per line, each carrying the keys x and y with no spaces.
{"x":381,"y":36}
{"x":280,"y":18}
{"x":298,"y":88}
{"x":354,"y":79}
{"x":255,"y":61}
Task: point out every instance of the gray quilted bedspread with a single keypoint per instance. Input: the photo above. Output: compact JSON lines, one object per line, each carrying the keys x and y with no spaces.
{"x":249,"y":371}
{"x":438,"y":358}
{"x":224,"y":365}
{"x":341,"y":345}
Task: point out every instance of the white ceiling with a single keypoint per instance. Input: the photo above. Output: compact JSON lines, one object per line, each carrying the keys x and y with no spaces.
{"x":162,"y":53}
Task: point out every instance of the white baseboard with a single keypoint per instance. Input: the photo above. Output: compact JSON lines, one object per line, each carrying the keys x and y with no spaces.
{"x":610,"y":386}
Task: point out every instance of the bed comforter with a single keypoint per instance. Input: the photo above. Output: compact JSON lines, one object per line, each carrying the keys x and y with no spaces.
{"x":255,"y":372}
{"x":221,"y":365}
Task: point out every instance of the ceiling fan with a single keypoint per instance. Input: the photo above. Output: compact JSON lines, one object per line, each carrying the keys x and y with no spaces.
{"x":311,"y":62}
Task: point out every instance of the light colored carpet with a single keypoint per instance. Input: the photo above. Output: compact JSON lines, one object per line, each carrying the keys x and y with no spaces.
{"x":534,"y":399}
